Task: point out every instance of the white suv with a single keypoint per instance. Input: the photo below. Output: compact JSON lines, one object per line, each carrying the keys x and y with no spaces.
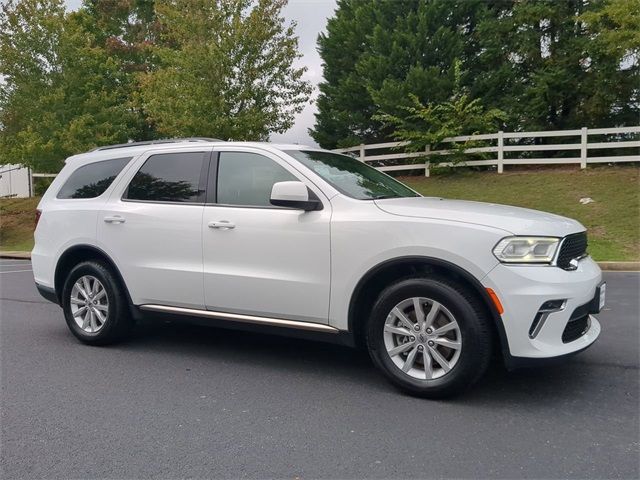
{"x":308,"y":242}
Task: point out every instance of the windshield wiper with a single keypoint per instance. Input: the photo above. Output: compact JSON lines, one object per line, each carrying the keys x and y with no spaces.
{"x":382,"y":197}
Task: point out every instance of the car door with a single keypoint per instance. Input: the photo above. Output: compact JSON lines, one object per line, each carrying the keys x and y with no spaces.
{"x":152,"y":227}
{"x":260,"y":259}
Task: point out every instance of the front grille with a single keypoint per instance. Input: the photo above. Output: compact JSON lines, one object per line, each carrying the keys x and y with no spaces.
{"x":573,"y":246}
{"x":578,"y":324}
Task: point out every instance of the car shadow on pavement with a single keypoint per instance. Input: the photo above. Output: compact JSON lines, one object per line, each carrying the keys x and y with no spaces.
{"x":325,"y":361}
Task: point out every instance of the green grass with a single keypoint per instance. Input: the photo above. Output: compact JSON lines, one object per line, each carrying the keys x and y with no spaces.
{"x":17,"y":217}
{"x":613,"y":219}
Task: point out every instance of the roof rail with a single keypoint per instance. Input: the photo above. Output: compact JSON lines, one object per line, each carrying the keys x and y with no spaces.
{"x":155,"y":142}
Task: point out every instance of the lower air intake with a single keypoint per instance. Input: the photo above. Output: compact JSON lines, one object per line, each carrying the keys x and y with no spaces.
{"x":575,"y":328}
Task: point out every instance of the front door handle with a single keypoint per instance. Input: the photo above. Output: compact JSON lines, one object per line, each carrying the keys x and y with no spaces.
{"x":222,"y":224}
{"x":114,"y":219}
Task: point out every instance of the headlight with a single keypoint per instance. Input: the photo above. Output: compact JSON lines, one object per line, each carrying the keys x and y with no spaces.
{"x":526,"y":249}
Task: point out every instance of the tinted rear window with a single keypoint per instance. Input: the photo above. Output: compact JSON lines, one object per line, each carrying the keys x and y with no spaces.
{"x":90,"y":181}
{"x":170,"y":177}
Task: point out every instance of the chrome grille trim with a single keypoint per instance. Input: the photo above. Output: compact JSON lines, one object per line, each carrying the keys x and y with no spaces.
{"x":572,"y":247}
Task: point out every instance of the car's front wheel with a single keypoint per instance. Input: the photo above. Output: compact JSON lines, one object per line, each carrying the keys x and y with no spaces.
{"x":95,"y":305}
{"x":429,"y":336}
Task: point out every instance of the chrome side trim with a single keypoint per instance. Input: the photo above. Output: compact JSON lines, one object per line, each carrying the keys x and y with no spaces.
{"x":276,"y":322}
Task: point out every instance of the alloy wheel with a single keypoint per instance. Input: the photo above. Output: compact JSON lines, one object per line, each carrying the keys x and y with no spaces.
{"x":89,"y":304}
{"x":422,"y":338}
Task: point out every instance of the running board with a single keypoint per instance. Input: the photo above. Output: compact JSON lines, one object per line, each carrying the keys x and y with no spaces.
{"x":276,"y":322}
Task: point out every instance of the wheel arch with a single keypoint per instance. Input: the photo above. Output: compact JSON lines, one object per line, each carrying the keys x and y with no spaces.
{"x":379,"y":276}
{"x":81,"y":253}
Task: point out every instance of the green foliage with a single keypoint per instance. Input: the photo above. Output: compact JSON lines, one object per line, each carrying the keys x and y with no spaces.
{"x":376,"y":53}
{"x":426,"y":126}
{"x":617,"y":27}
{"x":547,"y":64}
{"x":60,"y":94}
{"x":40,"y":185}
{"x":119,"y":70}
{"x":126,"y":30}
{"x":614,"y":41}
{"x":224,"y":70}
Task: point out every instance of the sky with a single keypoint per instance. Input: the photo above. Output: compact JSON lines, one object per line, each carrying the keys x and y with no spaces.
{"x":310,"y":17}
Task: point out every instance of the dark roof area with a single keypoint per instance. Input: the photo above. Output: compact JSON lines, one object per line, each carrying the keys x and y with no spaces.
{"x":156,"y":142}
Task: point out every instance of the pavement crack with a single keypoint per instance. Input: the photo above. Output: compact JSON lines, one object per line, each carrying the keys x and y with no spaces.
{"x":611,"y":365}
{"x":23,"y":301}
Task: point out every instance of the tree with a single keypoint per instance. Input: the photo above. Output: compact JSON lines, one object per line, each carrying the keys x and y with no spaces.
{"x":614,"y":61}
{"x":60,"y":94}
{"x":120,"y":70}
{"x":544,"y":63}
{"x":617,"y":23}
{"x":126,"y":30}
{"x":426,"y":126}
{"x":548,"y":64}
{"x":225,"y":69}
{"x":378,"y":52}
{"x":345,"y":108}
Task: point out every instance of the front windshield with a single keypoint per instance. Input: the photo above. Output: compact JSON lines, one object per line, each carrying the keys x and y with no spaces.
{"x":352,"y":177}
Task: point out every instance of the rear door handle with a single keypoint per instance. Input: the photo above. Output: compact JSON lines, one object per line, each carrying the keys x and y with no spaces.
{"x":114,"y":219}
{"x":222,"y":224}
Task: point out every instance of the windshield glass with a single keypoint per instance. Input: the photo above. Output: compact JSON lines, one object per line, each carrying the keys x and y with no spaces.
{"x":351,"y":176}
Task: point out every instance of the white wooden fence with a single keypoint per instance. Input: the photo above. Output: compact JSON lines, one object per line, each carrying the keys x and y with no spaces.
{"x":17,"y":181}
{"x":616,"y":138}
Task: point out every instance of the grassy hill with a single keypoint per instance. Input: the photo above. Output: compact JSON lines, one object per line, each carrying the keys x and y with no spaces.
{"x":17,"y":219}
{"x":613,"y":219}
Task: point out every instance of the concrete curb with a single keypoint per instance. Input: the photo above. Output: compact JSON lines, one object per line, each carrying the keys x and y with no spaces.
{"x":606,"y":266}
{"x":620,"y":266}
{"x":16,"y":255}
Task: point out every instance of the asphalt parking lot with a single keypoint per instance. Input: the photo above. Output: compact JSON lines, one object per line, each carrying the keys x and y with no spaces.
{"x":188,"y":401}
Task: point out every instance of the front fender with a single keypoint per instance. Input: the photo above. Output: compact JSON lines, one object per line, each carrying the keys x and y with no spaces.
{"x":360,"y":244}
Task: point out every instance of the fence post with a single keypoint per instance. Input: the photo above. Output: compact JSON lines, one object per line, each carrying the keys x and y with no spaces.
{"x":500,"y":151}
{"x":30,"y":178}
{"x":361,"y":157}
{"x":427,"y":164}
{"x":583,"y":148}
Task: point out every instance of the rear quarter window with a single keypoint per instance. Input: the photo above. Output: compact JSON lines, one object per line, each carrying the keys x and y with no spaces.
{"x":90,"y":181}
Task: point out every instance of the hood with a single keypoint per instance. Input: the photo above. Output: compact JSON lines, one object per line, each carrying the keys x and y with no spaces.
{"x":515,"y":220}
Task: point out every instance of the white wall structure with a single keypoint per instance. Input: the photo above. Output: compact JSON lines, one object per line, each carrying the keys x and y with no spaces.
{"x":15,"y":181}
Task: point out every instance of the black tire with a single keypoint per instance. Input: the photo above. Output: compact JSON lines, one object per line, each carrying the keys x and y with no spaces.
{"x":118,"y":319}
{"x":475,"y":330}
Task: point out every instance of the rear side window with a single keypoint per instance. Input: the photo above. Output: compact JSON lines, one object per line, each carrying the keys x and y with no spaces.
{"x":247,"y":178}
{"x":170,"y":177}
{"x":90,"y":181}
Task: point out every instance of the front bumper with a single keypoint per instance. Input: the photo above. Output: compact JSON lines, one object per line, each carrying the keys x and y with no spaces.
{"x":524,"y":289}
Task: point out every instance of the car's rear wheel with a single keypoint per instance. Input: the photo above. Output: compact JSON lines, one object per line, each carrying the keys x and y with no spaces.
{"x":95,"y":305}
{"x":429,"y":336}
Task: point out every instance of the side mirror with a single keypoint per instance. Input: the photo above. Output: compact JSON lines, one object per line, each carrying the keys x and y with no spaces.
{"x":294,"y":195}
